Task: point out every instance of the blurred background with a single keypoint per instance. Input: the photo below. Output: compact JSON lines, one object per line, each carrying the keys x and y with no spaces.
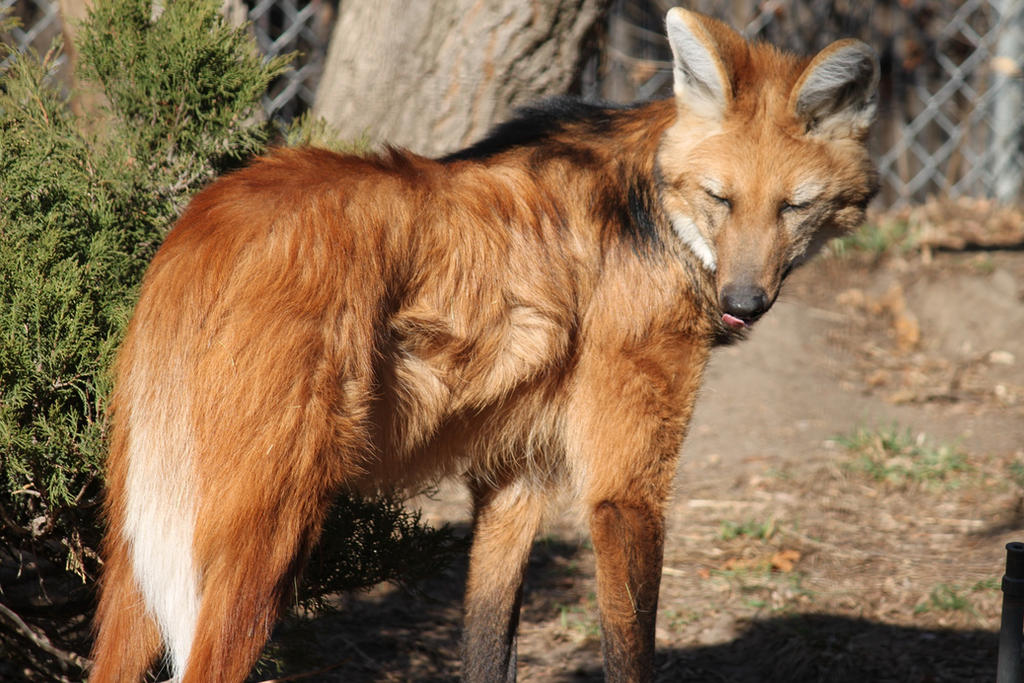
{"x":951,"y":91}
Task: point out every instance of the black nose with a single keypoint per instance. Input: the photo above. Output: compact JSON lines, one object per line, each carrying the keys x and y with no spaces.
{"x":746,"y":302}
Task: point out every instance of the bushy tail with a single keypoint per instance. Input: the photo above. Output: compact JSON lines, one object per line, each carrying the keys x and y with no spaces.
{"x":150,"y":589}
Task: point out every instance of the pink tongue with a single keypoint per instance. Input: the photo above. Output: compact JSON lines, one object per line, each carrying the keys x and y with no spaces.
{"x":733,"y":322}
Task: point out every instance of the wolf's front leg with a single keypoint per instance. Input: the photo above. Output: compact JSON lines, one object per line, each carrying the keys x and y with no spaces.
{"x":628,"y":418}
{"x":628,"y":540}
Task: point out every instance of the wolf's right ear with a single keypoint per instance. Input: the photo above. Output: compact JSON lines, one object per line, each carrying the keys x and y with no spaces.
{"x":701,"y":80}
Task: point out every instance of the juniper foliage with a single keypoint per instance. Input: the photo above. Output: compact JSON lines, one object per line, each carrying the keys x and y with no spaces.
{"x":84,"y":203}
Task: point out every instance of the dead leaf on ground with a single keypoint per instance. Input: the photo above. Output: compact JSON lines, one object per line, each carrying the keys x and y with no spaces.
{"x":966,"y":222}
{"x":785,"y":560}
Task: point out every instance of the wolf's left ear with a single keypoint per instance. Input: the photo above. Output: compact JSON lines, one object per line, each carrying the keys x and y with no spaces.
{"x":835,"y":95}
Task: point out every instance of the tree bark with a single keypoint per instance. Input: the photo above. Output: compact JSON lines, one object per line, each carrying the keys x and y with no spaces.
{"x":85,"y":105}
{"x":433,"y":76}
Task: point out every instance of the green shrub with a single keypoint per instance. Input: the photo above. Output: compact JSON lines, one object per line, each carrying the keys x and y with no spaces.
{"x":83,"y":206}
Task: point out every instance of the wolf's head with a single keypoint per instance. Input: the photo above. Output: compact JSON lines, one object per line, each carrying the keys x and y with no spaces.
{"x":766,"y":160}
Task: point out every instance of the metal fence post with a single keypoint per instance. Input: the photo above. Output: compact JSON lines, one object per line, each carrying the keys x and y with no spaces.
{"x":1011,"y":629}
{"x":1007,"y":126}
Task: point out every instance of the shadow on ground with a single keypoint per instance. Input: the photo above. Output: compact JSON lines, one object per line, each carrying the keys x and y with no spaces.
{"x":392,"y":635}
{"x":823,"y":647}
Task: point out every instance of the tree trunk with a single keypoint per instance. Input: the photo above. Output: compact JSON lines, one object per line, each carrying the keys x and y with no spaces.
{"x":84,"y":104}
{"x":433,"y":76}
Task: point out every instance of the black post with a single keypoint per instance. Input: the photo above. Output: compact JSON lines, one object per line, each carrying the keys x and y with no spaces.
{"x":1011,"y":630}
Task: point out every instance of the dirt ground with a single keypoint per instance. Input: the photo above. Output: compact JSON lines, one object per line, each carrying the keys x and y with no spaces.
{"x":851,"y":477}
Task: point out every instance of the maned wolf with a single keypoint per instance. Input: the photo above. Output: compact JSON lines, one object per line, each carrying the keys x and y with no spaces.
{"x":533,"y":313}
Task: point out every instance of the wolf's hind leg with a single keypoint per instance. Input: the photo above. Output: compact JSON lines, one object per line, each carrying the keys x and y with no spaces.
{"x":505,"y":523}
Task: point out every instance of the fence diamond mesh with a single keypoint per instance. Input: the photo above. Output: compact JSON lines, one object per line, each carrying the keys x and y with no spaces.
{"x":952,"y":93}
{"x":39,"y":22}
{"x":283,"y":26}
{"x":951,"y":99}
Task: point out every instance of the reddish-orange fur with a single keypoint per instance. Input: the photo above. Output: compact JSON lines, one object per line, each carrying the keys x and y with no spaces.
{"x":525,"y":317}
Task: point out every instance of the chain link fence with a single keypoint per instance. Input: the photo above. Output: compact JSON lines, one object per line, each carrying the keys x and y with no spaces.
{"x":283,"y":26}
{"x":302,"y":27}
{"x":951,"y":99}
{"x":39,"y":22}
